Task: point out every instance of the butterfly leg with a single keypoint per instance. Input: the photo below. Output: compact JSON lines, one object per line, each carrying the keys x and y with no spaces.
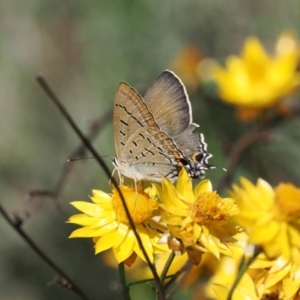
{"x":136,"y":191}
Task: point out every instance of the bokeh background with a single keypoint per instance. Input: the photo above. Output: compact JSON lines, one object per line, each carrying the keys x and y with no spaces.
{"x":84,"y":49}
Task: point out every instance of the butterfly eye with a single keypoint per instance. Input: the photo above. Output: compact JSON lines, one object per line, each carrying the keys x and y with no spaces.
{"x":198,"y":156}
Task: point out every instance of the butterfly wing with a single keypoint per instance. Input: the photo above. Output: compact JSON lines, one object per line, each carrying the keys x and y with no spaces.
{"x":194,"y":148}
{"x":150,"y":154}
{"x":143,"y":150}
{"x":168,"y":102}
{"x":130,"y":115}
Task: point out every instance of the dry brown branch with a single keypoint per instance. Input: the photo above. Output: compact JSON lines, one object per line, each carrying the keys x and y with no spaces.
{"x":16,"y":225}
{"x":67,"y":168}
{"x":261,"y":132}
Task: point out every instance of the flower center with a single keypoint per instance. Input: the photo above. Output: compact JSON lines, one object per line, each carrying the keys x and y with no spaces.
{"x":210,"y":207}
{"x":287,"y":197}
{"x":139,"y":203}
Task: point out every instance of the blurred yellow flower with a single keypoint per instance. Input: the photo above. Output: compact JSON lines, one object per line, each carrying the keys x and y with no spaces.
{"x":282,"y":278}
{"x":222,"y":280}
{"x":189,"y":273}
{"x":199,"y":218}
{"x":106,"y":222}
{"x":255,"y":80}
{"x":185,"y":66}
{"x":265,"y":279}
{"x":271,"y":217}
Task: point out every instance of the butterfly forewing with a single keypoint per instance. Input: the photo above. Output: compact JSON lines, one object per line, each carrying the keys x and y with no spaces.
{"x":153,"y":154}
{"x":130,"y":115}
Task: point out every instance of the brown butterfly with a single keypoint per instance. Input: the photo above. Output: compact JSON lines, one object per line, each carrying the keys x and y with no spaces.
{"x":154,"y":134}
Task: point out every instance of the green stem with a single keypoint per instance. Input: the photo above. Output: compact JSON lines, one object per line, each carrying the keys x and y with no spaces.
{"x":167,"y":267}
{"x":244,"y":265}
{"x":123,"y":281}
{"x":148,"y":280}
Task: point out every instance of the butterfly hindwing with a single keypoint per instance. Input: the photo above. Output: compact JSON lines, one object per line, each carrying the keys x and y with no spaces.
{"x":168,"y":102}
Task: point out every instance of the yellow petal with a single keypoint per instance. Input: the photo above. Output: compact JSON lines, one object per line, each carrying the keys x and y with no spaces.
{"x":170,"y":219}
{"x":212,"y":247}
{"x":125,"y":249}
{"x":184,"y":186}
{"x":174,"y":210}
{"x":208,"y":242}
{"x":106,"y":241}
{"x":274,"y":277}
{"x":169,"y":194}
{"x":146,"y":243}
{"x":123,"y":231}
{"x":89,"y":209}
{"x":86,"y":232}
{"x":203,"y":186}
{"x":266,"y":192}
{"x":255,"y":56}
{"x":100,"y":197}
{"x":104,"y":221}
{"x":103,"y":204}
{"x":264,"y":234}
{"x":83,"y":220}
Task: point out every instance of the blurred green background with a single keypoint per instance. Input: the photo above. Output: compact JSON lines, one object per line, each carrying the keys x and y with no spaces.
{"x":84,"y":49}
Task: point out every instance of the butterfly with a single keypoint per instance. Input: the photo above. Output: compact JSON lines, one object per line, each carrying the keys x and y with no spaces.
{"x":153,"y":134}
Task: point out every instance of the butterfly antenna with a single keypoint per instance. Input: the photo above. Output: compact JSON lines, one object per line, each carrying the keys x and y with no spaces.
{"x":83,"y":158}
{"x":78,"y":159}
{"x":216,"y":167}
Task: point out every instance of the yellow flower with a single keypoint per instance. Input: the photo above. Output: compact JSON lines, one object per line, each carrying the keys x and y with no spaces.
{"x":185,"y":65}
{"x":282,"y":277}
{"x":255,"y":80}
{"x":189,"y":273}
{"x":199,"y":218}
{"x":264,"y":279}
{"x":106,"y":222}
{"x":271,"y":217}
{"x":221,"y":282}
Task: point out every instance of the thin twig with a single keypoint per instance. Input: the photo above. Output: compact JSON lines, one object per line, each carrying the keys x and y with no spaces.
{"x":171,"y":283}
{"x":16,"y":226}
{"x":251,"y":137}
{"x":79,"y":152}
{"x":68,"y":167}
{"x":46,"y":88}
{"x":238,"y":149}
{"x":171,"y":286}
